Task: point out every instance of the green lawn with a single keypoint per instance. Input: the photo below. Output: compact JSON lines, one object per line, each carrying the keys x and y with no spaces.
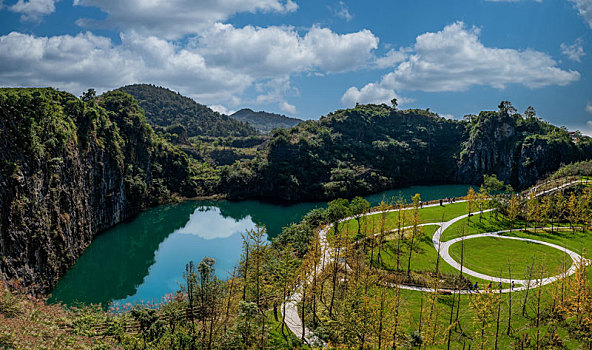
{"x":578,"y":241}
{"x":493,"y":256}
{"x":423,"y":259}
{"x":371,"y":223}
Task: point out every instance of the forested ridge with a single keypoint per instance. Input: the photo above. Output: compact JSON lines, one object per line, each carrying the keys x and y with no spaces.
{"x":71,"y":168}
{"x":165,"y":108}
{"x":374,"y":147}
{"x":264,"y":121}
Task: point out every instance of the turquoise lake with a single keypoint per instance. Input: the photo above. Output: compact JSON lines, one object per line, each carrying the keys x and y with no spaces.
{"x":143,"y":260}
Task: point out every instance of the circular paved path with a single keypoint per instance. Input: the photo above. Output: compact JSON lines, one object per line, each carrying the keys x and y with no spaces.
{"x":290,"y":311}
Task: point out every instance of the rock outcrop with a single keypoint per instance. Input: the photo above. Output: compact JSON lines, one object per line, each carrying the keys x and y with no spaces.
{"x":69,"y":170}
{"x":519,"y":151}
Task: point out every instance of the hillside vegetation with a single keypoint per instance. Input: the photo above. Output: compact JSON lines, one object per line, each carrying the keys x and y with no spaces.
{"x":71,"y":168}
{"x":375,"y":147}
{"x":351,"y":289}
{"x":264,"y":121}
{"x":165,"y":108}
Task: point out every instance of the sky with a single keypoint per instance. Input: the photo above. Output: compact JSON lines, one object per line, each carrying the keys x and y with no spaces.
{"x":309,"y":58}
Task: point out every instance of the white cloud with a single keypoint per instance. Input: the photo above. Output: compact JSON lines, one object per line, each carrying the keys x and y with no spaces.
{"x":273,"y":51}
{"x":221,"y":109}
{"x":392,"y":58}
{"x":341,"y":10}
{"x":33,"y":10}
{"x":75,"y":63}
{"x":575,"y":51}
{"x":287,"y":108}
{"x":588,"y":108}
{"x":371,"y":93}
{"x":454,"y":60}
{"x":447,"y":116}
{"x":175,"y":18}
{"x":209,"y":223}
{"x":215,"y":67}
{"x":588,"y":130}
{"x":584,"y":8}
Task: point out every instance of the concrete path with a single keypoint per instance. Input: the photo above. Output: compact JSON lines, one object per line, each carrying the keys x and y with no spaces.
{"x":290,"y":310}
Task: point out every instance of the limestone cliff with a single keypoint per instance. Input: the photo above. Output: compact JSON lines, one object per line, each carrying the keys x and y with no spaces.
{"x":520,"y":151}
{"x":70,"y":169}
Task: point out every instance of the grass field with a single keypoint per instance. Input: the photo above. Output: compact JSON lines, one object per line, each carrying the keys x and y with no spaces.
{"x":372,"y":223}
{"x":494,"y":256}
{"x":578,"y":241}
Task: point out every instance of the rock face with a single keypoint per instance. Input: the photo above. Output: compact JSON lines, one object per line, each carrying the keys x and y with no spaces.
{"x":371,"y":148}
{"x":69,"y":170}
{"x":519,"y":151}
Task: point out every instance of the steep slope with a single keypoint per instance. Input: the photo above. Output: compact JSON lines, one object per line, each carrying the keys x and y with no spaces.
{"x":356,"y":151}
{"x":519,"y":150}
{"x":165,"y":108}
{"x":374,"y":147}
{"x":70,"y":169}
{"x":264,"y":121}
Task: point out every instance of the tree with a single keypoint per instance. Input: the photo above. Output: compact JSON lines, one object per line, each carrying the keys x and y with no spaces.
{"x":248,"y":318}
{"x":395,"y":103}
{"x":492,"y":184}
{"x":358,"y":207}
{"x":482,"y":201}
{"x":382,"y":208}
{"x":471,"y":197}
{"x":416,"y":230}
{"x":513,"y":210}
{"x":209,"y":293}
{"x":533,"y":210}
{"x":89,"y":95}
{"x":530,"y":113}
{"x":284,"y":272}
{"x":337,"y":210}
{"x":506,"y":108}
{"x":573,"y":211}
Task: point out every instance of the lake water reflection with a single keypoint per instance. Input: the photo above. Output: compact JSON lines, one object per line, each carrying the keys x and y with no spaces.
{"x":144,"y":259}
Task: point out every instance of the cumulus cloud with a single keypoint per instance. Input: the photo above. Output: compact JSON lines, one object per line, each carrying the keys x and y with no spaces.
{"x":588,"y":108}
{"x":221,"y":109}
{"x":32,"y":10}
{"x":77,"y":62}
{"x":575,"y":51}
{"x":454,"y":60}
{"x":287,"y":108}
{"x":175,"y":18}
{"x":274,"y":51}
{"x":392,"y":58}
{"x":584,"y":8}
{"x":371,"y":93}
{"x":215,"y":67}
{"x":341,"y":10}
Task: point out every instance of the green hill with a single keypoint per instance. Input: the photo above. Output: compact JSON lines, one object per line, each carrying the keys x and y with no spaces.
{"x":264,"y":121}
{"x":71,"y":168}
{"x":371,"y":148}
{"x":165,"y":108}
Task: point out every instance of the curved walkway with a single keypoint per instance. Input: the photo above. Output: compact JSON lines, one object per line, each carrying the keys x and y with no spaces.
{"x":575,"y":257}
{"x":290,"y":310}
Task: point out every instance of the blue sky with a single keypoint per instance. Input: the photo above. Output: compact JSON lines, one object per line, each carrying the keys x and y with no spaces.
{"x":308,"y":58}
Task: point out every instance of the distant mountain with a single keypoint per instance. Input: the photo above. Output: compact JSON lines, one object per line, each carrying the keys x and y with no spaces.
{"x":264,"y":121}
{"x":166,"y":108}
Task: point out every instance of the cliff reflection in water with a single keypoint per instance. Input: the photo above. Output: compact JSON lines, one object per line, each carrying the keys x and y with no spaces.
{"x":144,"y":259}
